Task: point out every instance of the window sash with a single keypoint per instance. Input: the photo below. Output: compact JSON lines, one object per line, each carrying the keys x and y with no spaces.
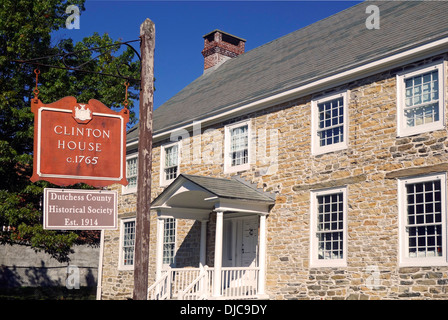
{"x":330,"y":121}
{"x":128,"y":243}
{"x":330,"y":226}
{"x":170,"y":163}
{"x":424,"y":219}
{"x":132,"y":172}
{"x":169,"y":241}
{"x":420,"y":97}
{"x":239,"y":145}
{"x":171,"y":156}
{"x":421,"y":105}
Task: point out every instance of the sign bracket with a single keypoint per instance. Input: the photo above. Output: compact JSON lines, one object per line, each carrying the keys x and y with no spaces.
{"x":40,"y":62}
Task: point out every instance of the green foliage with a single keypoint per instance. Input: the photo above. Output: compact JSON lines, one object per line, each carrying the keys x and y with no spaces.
{"x":25,"y":33}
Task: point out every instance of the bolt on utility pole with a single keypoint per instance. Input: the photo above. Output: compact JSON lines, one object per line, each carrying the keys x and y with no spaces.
{"x":147,"y":34}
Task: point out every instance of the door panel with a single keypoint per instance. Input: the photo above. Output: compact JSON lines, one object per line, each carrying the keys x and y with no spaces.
{"x":249,"y":242}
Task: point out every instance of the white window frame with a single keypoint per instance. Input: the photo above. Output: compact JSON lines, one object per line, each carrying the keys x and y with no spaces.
{"x":128,"y":189}
{"x":163,"y":181}
{"x":121,"y":265}
{"x":402,"y":129}
{"x":228,"y":168}
{"x":316,"y":149}
{"x":404,"y":259}
{"x":314,"y":242}
{"x":165,"y":222}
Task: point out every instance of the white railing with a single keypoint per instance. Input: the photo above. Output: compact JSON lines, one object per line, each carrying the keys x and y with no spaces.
{"x":200,"y":288}
{"x":197,"y":283}
{"x":182,"y":278}
{"x":239,"y":283}
{"x":161,"y":289}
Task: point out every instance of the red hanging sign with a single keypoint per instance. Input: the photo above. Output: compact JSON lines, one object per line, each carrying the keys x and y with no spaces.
{"x":76,"y":142}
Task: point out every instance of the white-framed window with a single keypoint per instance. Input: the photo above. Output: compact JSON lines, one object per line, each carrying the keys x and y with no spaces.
{"x":170,"y":160}
{"x":237,"y":149}
{"x":131,"y":174}
{"x":329,"y":123}
{"x":420,"y":100}
{"x":422,"y":220}
{"x":169,"y":241}
{"x":328,"y":228}
{"x":127,"y":244}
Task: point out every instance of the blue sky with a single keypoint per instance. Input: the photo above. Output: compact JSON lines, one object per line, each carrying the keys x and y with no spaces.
{"x":180,"y":26}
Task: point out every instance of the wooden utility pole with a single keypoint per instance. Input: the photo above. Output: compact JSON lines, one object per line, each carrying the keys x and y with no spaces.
{"x":141,"y":263}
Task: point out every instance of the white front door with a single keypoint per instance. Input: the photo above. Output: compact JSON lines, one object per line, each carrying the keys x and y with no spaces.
{"x":249,"y":242}
{"x":240,"y":242}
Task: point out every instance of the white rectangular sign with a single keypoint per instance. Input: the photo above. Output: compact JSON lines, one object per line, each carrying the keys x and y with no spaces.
{"x":75,"y":209}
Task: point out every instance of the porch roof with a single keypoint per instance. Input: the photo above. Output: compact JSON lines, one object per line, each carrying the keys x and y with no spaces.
{"x":194,"y":196}
{"x":230,"y":188}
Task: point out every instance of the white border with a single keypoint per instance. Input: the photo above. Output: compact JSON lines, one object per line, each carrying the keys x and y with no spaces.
{"x":172,"y":265}
{"x":242,"y":167}
{"x":402,"y":130}
{"x":163,"y":182}
{"x":404,"y":260}
{"x":127,"y":189}
{"x":45,"y":209}
{"x":314,"y":261}
{"x":315,"y":148}
{"x":121,"y":266}
{"x":61,"y":176}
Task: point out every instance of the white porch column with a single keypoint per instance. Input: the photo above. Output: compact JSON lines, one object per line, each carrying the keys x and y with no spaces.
{"x":159,"y":248}
{"x":218,"y":255}
{"x":262,"y":256}
{"x":203,"y":244}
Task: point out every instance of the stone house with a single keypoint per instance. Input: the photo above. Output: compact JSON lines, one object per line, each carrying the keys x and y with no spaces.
{"x":312,"y":167}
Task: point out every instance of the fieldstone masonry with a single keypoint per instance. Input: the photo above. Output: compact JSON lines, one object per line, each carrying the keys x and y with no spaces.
{"x":369,"y":167}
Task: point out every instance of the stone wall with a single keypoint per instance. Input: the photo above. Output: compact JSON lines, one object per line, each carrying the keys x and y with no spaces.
{"x":369,"y":167}
{"x":22,"y":266}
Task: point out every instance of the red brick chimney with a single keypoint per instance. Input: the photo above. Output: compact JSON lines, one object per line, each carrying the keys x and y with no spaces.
{"x":220,"y":46}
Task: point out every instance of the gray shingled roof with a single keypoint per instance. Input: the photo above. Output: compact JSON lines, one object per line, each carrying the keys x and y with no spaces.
{"x":333,"y":45}
{"x":229,"y":188}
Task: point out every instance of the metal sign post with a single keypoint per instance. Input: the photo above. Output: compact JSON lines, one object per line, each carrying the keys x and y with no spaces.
{"x":147,"y":35}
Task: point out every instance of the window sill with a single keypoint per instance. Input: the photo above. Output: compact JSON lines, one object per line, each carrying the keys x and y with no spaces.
{"x":126,"y":268}
{"x":323,"y":150}
{"x":125,"y":190}
{"x":328,"y":264}
{"x":242,"y":167}
{"x":428,"y":262}
{"x":423,"y":129}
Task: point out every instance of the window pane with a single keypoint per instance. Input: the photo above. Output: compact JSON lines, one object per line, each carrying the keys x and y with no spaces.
{"x":424,"y":219}
{"x":421,"y":99}
{"x":331,"y":121}
{"x":330,"y":226}
{"x":171,"y":162}
{"x":128,"y":242}
{"x":239,"y":145}
{"x":171,"y":156}
{"x":131,"y":172}
{"x":169,"y":241}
